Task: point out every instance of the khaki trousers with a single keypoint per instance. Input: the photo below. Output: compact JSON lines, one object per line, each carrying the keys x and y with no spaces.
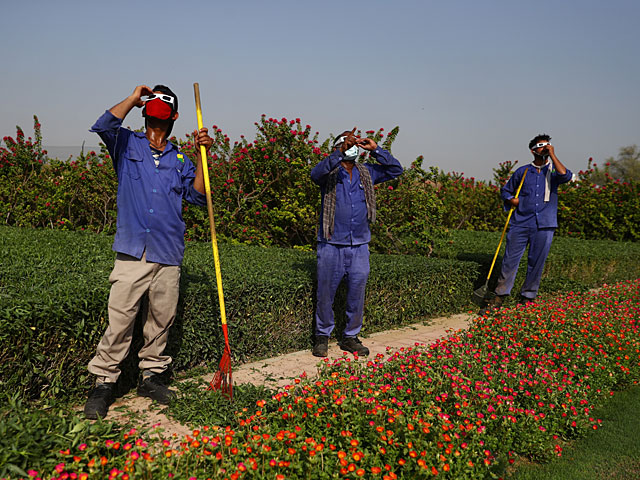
{"x":130,"y":280}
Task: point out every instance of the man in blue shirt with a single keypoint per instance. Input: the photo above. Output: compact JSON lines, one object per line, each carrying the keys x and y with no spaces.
{"x":348,"y":208}
{"x":534,"y":220}
{"x":153,"y":179}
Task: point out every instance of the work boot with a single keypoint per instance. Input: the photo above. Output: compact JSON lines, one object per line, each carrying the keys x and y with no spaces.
{"x":100,"y":397}
{"x":354,"y":345}
{"x":492,"y":305}
{"x":321,"y":346}
{"x":153,"y":387}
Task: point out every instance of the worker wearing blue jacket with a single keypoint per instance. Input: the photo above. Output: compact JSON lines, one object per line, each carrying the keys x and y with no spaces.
{"x":534,"y":220}
{"x":154,"y":177}
{"x":348,"y":208}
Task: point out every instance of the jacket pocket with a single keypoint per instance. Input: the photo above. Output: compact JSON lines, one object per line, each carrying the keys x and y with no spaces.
{"x":133,"y":164}
{"x":176,"y":181}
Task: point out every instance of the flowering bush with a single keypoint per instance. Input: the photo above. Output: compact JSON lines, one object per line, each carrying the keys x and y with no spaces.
{"x":262,"y":190}
{"x":36,"y":191}
{"x":607,"y":209}
{"x":593,"y":206}
{"x":517,"y":384}
{"x":263,"y":195}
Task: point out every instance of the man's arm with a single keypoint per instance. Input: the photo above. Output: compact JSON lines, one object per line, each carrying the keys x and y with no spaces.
{"x":320,"y":172}
{"x":557,"y":164}
{"x":124,"y":107}
{"x":508,"y":191}
{"x":388,"y":166}
{"x":563,"y":173}
{"x":108,"y":125}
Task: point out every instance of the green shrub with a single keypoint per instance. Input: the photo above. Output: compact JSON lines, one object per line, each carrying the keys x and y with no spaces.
{"x":54,"y":291}
{"x":571,"y":264}
{"x":31,"y":437}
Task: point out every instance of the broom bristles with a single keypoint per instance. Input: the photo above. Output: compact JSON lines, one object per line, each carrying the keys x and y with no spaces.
{"x":222,"y":380}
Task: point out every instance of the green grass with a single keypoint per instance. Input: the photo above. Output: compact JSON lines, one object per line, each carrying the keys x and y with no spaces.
{"x":610,"y":453}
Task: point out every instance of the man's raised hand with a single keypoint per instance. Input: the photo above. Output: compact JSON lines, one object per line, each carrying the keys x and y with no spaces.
{"x":367,"y":144}
{"x":349,"y":141}
{"x":140,"y":91}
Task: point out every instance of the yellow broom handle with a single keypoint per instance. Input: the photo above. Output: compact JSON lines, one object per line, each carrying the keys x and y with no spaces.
{"x":504,"y":230}
{"x":207,"y":187}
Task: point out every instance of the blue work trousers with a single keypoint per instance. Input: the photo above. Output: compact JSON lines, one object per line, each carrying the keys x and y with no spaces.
{"x":336,"y":262}
{"x":539,"y":241}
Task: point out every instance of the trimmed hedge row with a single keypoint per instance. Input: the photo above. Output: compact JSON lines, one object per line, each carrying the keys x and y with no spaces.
{"x":571,"y":265}
{"x":54,"y":289}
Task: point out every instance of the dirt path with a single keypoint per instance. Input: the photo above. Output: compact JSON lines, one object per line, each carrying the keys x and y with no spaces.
{"x":282,"y":370}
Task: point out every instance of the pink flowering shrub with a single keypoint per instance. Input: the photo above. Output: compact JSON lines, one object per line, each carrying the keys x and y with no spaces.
{"x":262,"y":194}
{"x":36,"y":191}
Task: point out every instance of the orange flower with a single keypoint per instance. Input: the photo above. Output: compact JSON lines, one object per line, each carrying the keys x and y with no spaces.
{"x":360,"y":472}
{"x":376,"y":470}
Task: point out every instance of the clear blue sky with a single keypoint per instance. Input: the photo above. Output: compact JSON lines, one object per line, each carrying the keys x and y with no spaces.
{"x":468,"y":82}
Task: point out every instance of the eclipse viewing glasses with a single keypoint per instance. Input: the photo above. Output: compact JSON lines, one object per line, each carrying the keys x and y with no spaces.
{"x":161,"y":96}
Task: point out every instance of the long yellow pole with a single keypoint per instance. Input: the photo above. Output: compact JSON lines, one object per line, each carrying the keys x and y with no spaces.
{"x":207,"y":186}
{"x":504,"y":230}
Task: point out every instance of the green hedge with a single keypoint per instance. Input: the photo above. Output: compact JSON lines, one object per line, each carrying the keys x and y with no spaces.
{"x":571,"y":265}
{"x":54,"y":289}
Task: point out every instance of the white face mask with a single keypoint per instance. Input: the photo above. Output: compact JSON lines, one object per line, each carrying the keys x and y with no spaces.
{"x":352,"y":153}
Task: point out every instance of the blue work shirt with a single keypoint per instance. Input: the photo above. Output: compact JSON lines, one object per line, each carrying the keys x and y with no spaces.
{"x":532,"y":209}
{"x":351,"y":226}
{"x":149,"y":197}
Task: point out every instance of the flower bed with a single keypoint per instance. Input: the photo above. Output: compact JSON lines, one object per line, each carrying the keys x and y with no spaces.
{"x":516,"y":384}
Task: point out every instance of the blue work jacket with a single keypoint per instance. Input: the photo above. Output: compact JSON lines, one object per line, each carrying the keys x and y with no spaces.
{"x":532,"y":209}
{"x":149,"y":196}
{"x":351,"y":226}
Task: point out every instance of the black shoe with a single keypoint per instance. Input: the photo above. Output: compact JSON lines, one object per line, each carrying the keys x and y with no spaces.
{"x":321,"y":346}
{"x":522,"y":300}
{"x":154,"y":388}
{"x":99,"y":400}
{"x":354,"y":345}
{"x":492,"y":305}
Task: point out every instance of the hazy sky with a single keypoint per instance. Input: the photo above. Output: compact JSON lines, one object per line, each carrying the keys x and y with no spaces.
{"x":468,"y":82}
